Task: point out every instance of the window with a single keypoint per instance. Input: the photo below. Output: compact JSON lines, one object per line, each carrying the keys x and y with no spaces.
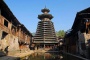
{"x":4,"y":35}
{"x":6,"y":23}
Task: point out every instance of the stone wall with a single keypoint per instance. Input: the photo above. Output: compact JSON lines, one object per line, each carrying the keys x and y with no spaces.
{"x":0,"y":33}
{"x":83,"y":38}
{"x":11,"y":41}
{"x":0,"y":39}
{"x":87,"y":37}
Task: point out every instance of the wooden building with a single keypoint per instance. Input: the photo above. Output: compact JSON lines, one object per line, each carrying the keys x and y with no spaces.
{"x":12,"y":32}
{"x":76,"y":39}
{"x":45,"y":36}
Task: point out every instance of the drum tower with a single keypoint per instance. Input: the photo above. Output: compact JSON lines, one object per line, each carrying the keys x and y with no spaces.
{"x":45,"y":36}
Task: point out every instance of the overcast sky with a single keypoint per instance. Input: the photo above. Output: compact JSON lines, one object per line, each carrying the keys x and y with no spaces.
{"x":64,"y":11}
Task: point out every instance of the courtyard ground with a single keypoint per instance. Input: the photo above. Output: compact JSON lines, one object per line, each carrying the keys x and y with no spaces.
{"x":16,"y":55}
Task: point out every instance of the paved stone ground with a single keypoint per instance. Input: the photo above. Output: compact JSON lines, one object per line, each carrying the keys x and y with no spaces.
{"x":15,"y":55}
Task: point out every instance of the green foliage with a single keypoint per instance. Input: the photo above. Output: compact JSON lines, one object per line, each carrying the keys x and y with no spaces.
{"x":60,"y":33}
{"x":33,"y":34}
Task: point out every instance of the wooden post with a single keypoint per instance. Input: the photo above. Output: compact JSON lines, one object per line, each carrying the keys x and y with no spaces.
{"x":44,"y":46}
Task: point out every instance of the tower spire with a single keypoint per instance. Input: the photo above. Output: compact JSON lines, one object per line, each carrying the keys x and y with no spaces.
{"x":45,"y":6}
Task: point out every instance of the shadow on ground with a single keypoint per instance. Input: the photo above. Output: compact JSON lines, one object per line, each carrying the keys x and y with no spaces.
{"x":3,"y":56}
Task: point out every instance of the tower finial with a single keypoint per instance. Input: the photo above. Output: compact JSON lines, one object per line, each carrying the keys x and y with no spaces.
{"x":45,"y":6}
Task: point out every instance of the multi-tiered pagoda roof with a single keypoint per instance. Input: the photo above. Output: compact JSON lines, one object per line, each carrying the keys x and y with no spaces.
{"x":45,"y":15}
